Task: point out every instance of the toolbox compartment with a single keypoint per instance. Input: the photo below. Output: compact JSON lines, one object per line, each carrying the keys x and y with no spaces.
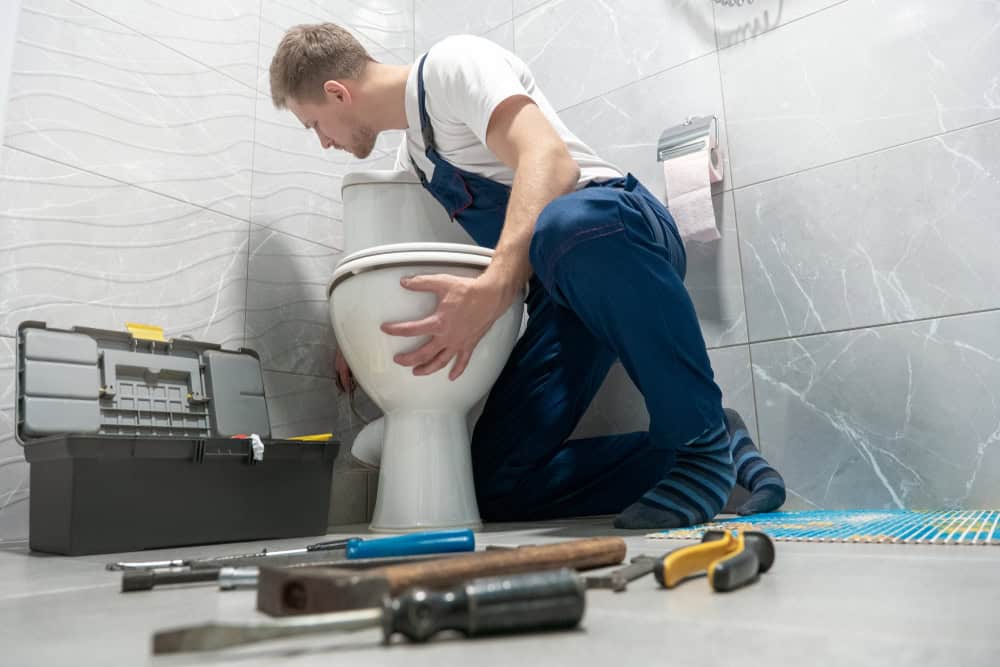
{"x":129,"y":444}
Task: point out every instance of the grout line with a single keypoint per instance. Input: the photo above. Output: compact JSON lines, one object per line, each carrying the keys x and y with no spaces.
{"x":253,"y":156}
{"x":79,"y":3}
{"x":880,"y":325}
{"x":118,"y":180}
{"x":513,"y":30}
{"x":165,"y":195}
{"x":529,"y":9}
{"x":739,"y":246}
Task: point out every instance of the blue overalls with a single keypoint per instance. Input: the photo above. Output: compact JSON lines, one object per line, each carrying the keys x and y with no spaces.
{"x":608,"y":284}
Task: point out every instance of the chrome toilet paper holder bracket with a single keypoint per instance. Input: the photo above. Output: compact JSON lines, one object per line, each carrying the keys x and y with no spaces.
{"x":690,"y":136}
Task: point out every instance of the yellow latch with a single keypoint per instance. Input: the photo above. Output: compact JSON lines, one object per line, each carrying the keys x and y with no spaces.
{"x":146,"y":331}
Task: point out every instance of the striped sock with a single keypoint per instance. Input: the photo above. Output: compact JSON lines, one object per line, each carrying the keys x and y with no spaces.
{"x":693,"y":490}
{"x":753,"y":472}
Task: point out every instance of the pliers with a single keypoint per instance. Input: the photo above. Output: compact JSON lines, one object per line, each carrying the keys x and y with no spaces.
{"x":731,"y":560}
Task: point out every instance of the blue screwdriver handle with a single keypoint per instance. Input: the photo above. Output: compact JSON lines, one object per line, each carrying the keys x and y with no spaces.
{"x":413,"y":544}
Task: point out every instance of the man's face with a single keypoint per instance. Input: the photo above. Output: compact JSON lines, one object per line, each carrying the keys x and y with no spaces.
{"x":335,"y":124}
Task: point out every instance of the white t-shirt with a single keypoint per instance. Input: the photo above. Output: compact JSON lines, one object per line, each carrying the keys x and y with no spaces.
{"x":465,"y":79}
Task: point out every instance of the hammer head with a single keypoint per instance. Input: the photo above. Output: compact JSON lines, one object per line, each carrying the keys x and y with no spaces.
{"x":312,"y":590}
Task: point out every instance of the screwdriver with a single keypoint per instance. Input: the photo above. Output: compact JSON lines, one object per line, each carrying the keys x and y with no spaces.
{"x":550,"y":600}
{"x":731,"y":561}
{"x":412,"y":544}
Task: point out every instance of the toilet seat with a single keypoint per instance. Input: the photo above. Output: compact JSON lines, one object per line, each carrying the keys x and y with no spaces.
{"x":400,"y":254}
{"x":421,"y":246}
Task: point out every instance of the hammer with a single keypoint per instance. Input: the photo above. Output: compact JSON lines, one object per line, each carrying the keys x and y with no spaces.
{"x":314,"y":590}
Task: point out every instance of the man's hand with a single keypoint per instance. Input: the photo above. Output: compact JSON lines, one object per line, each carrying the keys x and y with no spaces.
{"x":345,"y":378}
{"x":467,"y":308}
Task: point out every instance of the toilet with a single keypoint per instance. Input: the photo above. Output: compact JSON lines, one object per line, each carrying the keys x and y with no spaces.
{"x":394,"y":228}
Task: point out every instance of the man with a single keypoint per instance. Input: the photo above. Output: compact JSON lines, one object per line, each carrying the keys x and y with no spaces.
{"x":605,"y":268}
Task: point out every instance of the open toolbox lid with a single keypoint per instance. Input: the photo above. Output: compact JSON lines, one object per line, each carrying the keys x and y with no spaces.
{"x":134,"y":383}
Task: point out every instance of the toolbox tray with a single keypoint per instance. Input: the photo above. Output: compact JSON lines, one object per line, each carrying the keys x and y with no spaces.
{"x":129,"y":445}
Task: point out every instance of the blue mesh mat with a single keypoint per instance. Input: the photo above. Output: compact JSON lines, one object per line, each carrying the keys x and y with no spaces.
{"x":870,"y":526}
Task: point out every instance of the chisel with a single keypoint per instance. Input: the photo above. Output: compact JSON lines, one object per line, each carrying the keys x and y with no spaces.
{"x":538,"y":601}
{"x":315,"y":590}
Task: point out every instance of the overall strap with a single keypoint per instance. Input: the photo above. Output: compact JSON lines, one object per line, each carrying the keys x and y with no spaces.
{"x":426,"y":131}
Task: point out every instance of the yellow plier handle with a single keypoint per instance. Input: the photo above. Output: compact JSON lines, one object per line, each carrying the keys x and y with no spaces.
{"x":730,"y":561}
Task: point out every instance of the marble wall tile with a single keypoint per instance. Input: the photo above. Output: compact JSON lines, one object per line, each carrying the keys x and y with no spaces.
{"x":9,"y":12}
{"x":902,"y":234}
{"x":349,"y":498}
{"x":303,"y":404}
{"x":97,"y":95}
{"x":732,"y":373}
{"x":296,"y":184}
{"x":736,"y":23}
{"x":618,"y":406}
{"x":288,"y":316}
{"x":624,"y":126}
{"x":13,"y":468}
{"x":714,"y":280}
{"x":435,"y":19}
{"x":580,"y":49}
{"x":521,"y":6}
{"x":222,"y":35}
{"x":78,"y":249}
{"x":855,"y":78}
{"x":387,"y":23}
{"x":903,"y":416}
{"x":380,"y":25}
{"x":309,"y":404}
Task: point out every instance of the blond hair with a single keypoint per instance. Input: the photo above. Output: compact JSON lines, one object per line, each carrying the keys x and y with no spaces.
{"x":310,"y":55}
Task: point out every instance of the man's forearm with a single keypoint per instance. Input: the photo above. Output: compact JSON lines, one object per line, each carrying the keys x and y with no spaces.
{"x":540,"y":177}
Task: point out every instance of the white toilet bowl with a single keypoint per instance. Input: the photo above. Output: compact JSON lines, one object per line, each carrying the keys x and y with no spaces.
{"x":425,"y":480}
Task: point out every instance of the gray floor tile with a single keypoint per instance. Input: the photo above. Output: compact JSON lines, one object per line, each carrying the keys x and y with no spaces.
{"x":822,"y":604}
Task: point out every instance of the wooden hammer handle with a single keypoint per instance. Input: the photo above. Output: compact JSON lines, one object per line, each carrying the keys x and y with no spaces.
{"x":579,"y":554}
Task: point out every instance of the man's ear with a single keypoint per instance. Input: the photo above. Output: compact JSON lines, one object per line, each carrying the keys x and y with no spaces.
{"x":337,"y":90}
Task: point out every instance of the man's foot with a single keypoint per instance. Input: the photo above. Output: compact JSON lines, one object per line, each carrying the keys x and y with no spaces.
{"x":753,"y":472}
{"x":693,"y":490}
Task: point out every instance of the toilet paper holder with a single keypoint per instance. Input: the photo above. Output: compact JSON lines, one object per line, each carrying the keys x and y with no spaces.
{"x":690,"y":136}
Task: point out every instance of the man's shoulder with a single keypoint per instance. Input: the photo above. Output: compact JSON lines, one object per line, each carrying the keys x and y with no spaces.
{"x":458,"y":51}
{"x":457,"y":44}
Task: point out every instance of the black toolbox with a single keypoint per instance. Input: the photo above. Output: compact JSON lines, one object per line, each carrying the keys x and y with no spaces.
{"x":128,"y":437}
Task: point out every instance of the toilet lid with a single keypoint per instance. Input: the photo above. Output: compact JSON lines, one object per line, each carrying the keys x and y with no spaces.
{"x":453,"y":254}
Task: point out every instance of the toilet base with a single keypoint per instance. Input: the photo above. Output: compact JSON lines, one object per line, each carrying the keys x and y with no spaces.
{"x":425,"y":481}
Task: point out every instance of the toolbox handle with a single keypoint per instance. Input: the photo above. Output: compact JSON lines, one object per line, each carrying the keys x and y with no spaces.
{"x":200,"y":453}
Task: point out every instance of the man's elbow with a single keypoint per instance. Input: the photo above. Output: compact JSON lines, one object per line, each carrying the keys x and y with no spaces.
{"x":565,"y":169}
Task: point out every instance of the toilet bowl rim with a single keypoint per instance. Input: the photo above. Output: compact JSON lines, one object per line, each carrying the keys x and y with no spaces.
{"x":346,"y":270}
{"x":416,"y":246}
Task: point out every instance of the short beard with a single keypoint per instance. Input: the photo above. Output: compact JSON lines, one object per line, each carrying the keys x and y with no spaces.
{"x":363,"y":142}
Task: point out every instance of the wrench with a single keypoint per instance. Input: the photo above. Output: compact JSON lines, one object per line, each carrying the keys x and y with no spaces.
{"x":617,"y":580}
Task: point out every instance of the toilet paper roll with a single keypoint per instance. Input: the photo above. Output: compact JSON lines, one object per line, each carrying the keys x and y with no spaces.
{"x":689,"y":181}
